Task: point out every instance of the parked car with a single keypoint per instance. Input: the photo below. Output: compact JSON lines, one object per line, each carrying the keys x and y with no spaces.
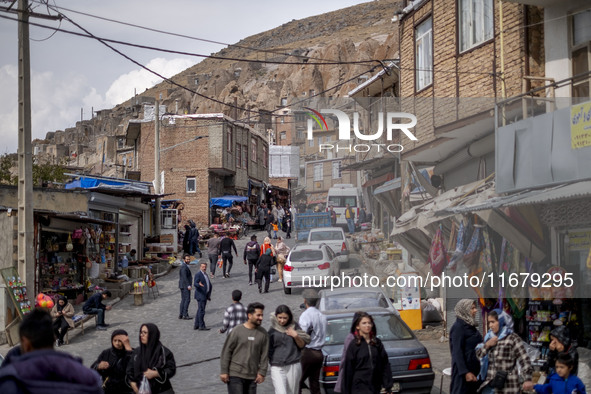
{"x":409,"y":359}
{"x":354,"y":299}
{"x":313,"y":262}
{"x":333,"y":237}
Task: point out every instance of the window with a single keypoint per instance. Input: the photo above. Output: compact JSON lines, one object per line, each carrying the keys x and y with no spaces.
{"x":311,"y":142}
{"x":284,"y":101}
{"x":581,"y":52}
{"x":191,"y":185}
{"x":283,"y":135}
{"x":424,"y":54}
{"x":244,"y":156}
{"x":238,"y":156}
{"x":319,"y":141}
{"x":229,"y":139}
{"x":318,"y":172}
{"x":253,"y":147}
{"x":336,"y":169}
{"x":476,"y":22}
{"x":265,"y":157}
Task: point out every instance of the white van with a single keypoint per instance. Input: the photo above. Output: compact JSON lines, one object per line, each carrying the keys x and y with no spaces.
{"x":339,"y":196}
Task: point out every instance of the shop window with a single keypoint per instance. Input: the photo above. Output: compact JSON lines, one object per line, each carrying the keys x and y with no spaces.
{"x":424,"y":54}
{"x":318,"y":172}
{"x":476,"y":22}
{"x":581,"y":52}
{"x":191,"y":185}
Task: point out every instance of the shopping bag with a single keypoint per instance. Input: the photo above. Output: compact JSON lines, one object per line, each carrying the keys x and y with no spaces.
{"x":145,"y":386}
{"x":220,"y":262}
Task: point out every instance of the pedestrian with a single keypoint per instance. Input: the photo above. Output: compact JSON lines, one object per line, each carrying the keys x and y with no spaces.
{"x":263,"y":271}
{"x":153,"y":361}
{"x":275,"y":229}
{"x":333,"y":216}
{"x":40,"y":369}
{"x":275,"y":212}
{"x":350,"y":217}
{"x":185,"y":281}
{"x":362,"y":216}
{"x":366,"y":361}
{"x":314,"y":323}
{"x":213,"y":252}
{"x":235,"y":314}
{"x":194,"y":240}
{"x":267,"y":245}
{"x":62,"y":313}
{"x":203,"y":289}
{"x":187,"y":240}
{"x":226,"y":246}
{"x":282,"y":251}
{"x":94,"y":306}
{"x":261,"y":216}
{"x":348,"y":339}
{"x":280,"y":214}
{"x":288,"y":225}
{"x":252,"y":251}
{"x":112,"y":364}
{"x":499,"y":353}
{"x":245,"y":355}
{"x":286,"y":340}
{"x":560,"y":343}
{"x":463,"y":339}
{"x":269,"y":219}
{"x":563,"y":380}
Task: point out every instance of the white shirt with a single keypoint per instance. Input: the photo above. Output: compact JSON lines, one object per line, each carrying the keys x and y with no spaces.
{"x":314,"y":323}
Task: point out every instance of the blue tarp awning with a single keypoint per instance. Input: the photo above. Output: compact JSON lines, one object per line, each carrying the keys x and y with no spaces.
{"x":87,"y":183}
{"x":226,"y":201}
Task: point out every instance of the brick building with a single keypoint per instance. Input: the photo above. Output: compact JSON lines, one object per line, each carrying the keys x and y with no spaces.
{"x":230,"y":158}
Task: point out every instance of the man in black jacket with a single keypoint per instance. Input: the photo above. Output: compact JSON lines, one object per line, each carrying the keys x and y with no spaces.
{"x":94,"y":306}
{"x":226,"y":246}
{"x":194,"y":240}
{"x":185,"y":280}
{"x":252,"y":251}
{"x":263,"y":270}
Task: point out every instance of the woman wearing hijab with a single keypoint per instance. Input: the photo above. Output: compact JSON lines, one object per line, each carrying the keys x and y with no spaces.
{"x":560,"y":343}
{"x":501,"y":350}
{"x":267,"y":245}
{"x":187,"y":240}
{"x":152,"y":360}
{"x":112,"y":363}
{"x":62,"y":313}
{"x":463,"y":339}
{"x":348,"y":339}
{"x":366,"y":361}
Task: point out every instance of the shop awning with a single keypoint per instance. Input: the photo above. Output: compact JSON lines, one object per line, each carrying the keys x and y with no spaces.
{"x":388,"y":186}
{"x":226,"y":201}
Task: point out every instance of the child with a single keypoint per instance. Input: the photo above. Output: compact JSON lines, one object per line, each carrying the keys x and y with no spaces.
{"x":562,"y":381}
{"x":275,"y":229}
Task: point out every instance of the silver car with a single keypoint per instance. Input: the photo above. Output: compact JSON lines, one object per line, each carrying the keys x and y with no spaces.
{"x":309,"y":266}
{"x":354,"y":299}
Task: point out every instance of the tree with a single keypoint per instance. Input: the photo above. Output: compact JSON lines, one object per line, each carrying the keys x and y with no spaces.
{"x":43,"y":173}
{"x":6,"y":165}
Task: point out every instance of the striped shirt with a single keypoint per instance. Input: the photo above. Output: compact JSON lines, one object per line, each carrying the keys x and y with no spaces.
{"x":234,"y":315}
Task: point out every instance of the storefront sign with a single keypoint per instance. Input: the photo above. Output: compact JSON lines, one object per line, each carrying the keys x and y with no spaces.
{"x":580,"y":125}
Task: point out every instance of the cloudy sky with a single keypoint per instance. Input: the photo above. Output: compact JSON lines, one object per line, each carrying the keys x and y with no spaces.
{"x":70,"y":73}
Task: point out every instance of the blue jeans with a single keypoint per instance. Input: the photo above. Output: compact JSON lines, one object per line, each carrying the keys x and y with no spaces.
{"x":200,"y":317}
{"x":351,"y":225}
{"x":213,"y":262}
{"x":100,"y":313}
{"x":185,"y":301}
{"x":241,"y":386}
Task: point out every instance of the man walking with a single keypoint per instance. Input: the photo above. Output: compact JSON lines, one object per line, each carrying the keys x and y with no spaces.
{"x":252,"y":251}
{"x":194,"y":240}
{"x":94,"y":306}
{"x":314,"y":323}
{"x":245,"y":355}
{"x":202,"y":295}
{"x":185,"y":280}
{"x":350,"y":216}
{"x":226,"y":246}
{"x":213,"y":251}
{"x":235,"y":314}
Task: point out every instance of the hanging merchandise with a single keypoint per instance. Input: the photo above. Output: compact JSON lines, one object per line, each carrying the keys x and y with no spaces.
{"x":472,"y":253}
{"x":69,"y":245}
{"x":459,"y":250}
{"x":438,"y":254}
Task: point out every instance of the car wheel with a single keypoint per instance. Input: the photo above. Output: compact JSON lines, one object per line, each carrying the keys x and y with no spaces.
{"x":286,"y":290}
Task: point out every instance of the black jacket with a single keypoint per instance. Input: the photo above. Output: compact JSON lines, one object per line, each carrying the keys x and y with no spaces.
{"x":226,"y":246}
{"x":115,"y":374}
{"x":94,"y":302}
{"x":370,"y":368}
{"x":265,"y":262}
{"x":252,"y":251}
{"x":463,"y":339}
{"x":185,"y":276}
{"x":158,"y":385}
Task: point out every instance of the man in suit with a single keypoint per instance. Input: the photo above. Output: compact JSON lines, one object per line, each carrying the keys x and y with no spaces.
{"x":202,"y":295}
{"x":185,"y":280}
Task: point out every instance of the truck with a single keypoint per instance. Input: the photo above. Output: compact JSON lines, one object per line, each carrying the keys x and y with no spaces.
{"x":304,"y":222}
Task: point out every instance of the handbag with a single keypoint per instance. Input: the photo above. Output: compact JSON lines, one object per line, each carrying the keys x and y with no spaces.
{"x":498,"y":382}
{"x":145,"y":386}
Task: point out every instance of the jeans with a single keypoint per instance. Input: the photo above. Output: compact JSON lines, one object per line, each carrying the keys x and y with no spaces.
{"x":251,"y":265}
{"x":60,"y":324}
{"x":100,"y":314}
{"x":286,"y":378}
{"x":263,"y":273}
{"x":487,"y":390}
{"x":185,"y":301}
{"x":351,"y":225}
{"x":241,"y":386}
{"x":200,"y":317}
{"x":194,"y":248}
{"x":213,"y":262}
{"x":311,"y":365}
{"x":227,"y":258}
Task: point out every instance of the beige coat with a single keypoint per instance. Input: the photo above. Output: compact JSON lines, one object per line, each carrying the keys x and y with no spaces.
{"x":68,"y":313}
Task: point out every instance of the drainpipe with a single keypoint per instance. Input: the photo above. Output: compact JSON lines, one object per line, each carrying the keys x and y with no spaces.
{"x":502,"y":54}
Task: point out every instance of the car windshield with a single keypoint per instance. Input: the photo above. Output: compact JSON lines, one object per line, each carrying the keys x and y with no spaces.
{"x":305,"y":255}
{"x":389,"y":328}
{"x":326,"y":236}
{"x":356,"y":301}
{"x":342,"y":201}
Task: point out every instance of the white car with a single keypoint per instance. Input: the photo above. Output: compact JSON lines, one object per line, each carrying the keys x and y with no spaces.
{"x":333,"y":237}
{"x":309,"y":266}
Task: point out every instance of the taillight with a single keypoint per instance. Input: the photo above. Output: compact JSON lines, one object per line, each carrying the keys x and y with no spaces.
{"x":331,"y":371}
{"x":344,"y":247}
{"x":419,"y":363}
{"x":324,"y":266}
{"x":287,"y":268}
{"x":288,"y":283}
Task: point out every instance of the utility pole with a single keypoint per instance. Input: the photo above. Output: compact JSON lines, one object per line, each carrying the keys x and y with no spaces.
{"x":157,"y":164}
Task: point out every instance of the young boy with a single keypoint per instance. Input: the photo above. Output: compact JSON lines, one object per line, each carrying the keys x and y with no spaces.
{"x":562,"y":381}
{"x":275,"y":229}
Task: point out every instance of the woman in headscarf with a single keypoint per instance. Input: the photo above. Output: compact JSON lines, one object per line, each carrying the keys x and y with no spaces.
{"x":463,"y":339}
{"x":560,"y":343}
{"x":267,"y":245}
{"x":348,"y":339}
{"x":112,"y":363}
{"x":501,"y":350}
{"x":187,"y":240}
{"x":62,"y":313}
{"x":152,"y":360}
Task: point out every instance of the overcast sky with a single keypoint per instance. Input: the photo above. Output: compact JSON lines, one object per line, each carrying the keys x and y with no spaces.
{"x":70,"y":73}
